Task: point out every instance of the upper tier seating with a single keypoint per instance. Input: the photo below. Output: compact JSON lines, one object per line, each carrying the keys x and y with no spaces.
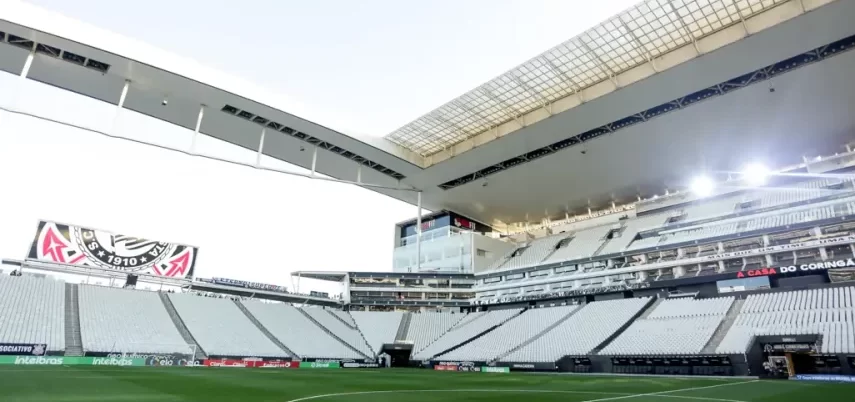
{"x":631,"y":228}
{"x":513,"y":333}
{"x":746,"y":224}
{"x":584,"y":244}
{"x":462,"y":333}
{"x":679,"y":326}
{"x":688,"y":307}
{"x":378,"y":328}
{"x":297,"y":332}
{"x":32,"y":310}
{"x":221,"y":328}
{"x":126,"y":321}
{"x":534,"y":254}
{"x":581,"y":333}
{"x":348,"y":334}
{"x":829,"y":312}
{"x":428,"y":327}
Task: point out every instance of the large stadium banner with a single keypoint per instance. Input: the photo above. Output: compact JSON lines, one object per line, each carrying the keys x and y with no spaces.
{"x":75,"y":245}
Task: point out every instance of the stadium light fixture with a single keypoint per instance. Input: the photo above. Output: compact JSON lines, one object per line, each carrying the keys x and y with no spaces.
{"x":703,"y":186}
{"x":755,"y":174}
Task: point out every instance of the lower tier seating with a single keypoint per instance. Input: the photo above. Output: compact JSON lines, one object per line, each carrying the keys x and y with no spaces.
{"x":828,"y":312}
{"x":378,"y":328}
{"x":463,"y":333}
{"x":581,"y":333}
{"x":32,"y":310}
{"x":516,"y":331}
{"x":221,"y":328}
{"x":298,"y":333}
{"x":126,"y":321}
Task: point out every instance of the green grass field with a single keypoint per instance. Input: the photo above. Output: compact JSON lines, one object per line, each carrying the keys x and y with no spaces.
{"x":59,"y":384}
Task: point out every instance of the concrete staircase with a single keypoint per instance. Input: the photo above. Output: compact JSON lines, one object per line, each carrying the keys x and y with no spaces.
{"x":724,"y":327}
{"x":539,"y":334}
{"x":404,"y":327}
{"x":182,"y":329}
{"x":73,"y":340}
{"x":264,"y":330}
{"x":321,"y":326}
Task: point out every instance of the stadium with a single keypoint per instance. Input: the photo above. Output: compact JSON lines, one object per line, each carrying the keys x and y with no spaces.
{"x":660,"y":208}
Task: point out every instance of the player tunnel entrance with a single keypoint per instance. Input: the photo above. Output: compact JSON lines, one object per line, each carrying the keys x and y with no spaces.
{"x":784,"y":356}
{"x":399,"y":353}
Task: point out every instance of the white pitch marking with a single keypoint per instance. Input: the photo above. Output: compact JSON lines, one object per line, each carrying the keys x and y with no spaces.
{"x":663,"y":393}
{"x":543,"y":391}
{"x":623,"y":395}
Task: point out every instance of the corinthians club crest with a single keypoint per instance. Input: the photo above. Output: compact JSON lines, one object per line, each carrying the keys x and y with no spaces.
{"x":83,"y":246}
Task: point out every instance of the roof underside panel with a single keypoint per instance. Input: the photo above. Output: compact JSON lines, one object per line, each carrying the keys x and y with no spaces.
{"x":632,"y":38}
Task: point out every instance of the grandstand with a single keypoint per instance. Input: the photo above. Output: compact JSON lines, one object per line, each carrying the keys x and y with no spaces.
{"x":588,"y":261}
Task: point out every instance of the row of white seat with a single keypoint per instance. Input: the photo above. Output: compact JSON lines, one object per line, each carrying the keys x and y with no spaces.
{"x":513,"y":333}
{"x":461,"y":333}
{"x":32,"y":310}
{"x":812,"y":299}
{"x":586,"y":242}
{"x":828,"y":312}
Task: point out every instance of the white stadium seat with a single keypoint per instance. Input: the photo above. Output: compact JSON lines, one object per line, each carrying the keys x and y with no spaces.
{"x":428,"y":327}
{"x":829,"y":312}
{"x":32,"y":310}
{"x":680,"y":326}
{"x":516,"y":331}
{"x":298,"y":333}
{"x":378,"y":328}
{"x":581,"y":333}
{"x":465,"y":331}
{"x":350,"y":335}
{"x":126,"y":321}
{"x":221,"y":328}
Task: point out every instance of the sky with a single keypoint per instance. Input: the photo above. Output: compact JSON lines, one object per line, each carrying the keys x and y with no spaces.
{"x":364,"y":68}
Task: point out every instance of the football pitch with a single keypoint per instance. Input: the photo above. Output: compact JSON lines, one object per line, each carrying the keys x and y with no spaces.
{"x":59,"y":384}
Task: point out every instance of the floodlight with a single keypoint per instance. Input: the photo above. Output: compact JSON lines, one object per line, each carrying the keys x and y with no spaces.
{"x":703,"y":186}
{"x":755,"y":174}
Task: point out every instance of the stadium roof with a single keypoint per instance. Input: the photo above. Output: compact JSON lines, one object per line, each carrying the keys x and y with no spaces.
{"x":635,"y":116}
{"x":630,"y":39}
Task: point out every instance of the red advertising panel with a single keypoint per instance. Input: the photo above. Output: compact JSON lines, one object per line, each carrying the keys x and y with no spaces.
{"x":228,"y":363}
{"x":445,"y":367}
{"x":278,"y":364}
{"x":251,"y":363}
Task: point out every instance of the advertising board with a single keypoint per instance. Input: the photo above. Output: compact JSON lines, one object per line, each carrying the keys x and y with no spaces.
{"x":320,"y":365}
{"x":18,"y":349}
{"x":69,"y":361}
{"x":824,"y":377}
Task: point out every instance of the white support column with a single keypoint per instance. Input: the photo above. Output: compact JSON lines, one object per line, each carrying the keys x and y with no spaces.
{"x":16,"y":86}
{"x":359,"y":174}
{"x":114,"y":130}
{"x":27,"y":64}
{"x":260,"y":147}
{"x":314,"y":159}
{"x":419,"y":232}
{"x":198,"y":127}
